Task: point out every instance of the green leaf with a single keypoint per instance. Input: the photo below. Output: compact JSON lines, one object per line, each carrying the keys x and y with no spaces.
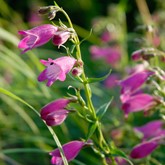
{"x":86,"y":37}
{"x":117,"y":152}
{"x":92,"y":128}
{"x":103,"y":109}
{"x":93,"y":80}
{"x":8,"y":93}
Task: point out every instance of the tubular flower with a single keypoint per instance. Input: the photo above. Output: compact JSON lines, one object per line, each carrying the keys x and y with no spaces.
{"x":70,"y":149}
{"x":147,"y":129}
{"x":143,"y":149}
{"x":153,"y":136}
{"x":137,"y":55}
{"x":55,"y":113}
{"x":139,"y":102}
{"x":36,"y":37}
{"x":133,"y":83}
{"x":111,"y":55}
{"x":111,"y":81}
{"x":56,"y":69}
{"x":61,"y":37}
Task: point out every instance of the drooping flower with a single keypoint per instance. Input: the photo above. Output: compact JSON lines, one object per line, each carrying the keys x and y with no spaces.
{"x":111,"y":55}
{"x":70,"y":149}
{"x":56,"y":69}
{"x":143,"y":149}
{"x":137,"y":55}
{"x":61,"y":37}
{"x":111,"y":81}
{"x":55,"y":112}
{"x":139,"y":102}
{"x":132,"y":83}
{"x":153,"y":136}
{"x":36,"y":37}
{"x":147,"y":129}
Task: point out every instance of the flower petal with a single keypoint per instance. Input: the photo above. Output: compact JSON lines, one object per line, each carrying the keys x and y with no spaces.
{"x":70,"y":149}
{"x":132,"y":83}
{"x":147,"y":129}
{"x":138,"y":102}
{"x":144,"y":149}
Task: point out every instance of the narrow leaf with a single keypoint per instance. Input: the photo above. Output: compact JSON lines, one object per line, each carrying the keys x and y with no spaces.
{"x":103,"y":109}
{"x":93,"y":80}
{"x":8,"y":93}
{"x":91,"y":130}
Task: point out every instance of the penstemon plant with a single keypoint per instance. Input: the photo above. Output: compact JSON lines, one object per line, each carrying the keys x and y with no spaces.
{"x":142,"y":90}
{"x":56,"y":112}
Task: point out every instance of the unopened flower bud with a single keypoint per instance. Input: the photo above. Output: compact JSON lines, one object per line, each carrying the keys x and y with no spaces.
{"x":77,"y":71}
{"x":143,"y":54}
{"x":51,"y":14}
{"x":44,"y":10}
{"x":137,"y":55}
{"x":49,"y":10}
{"x":60,"y":37}
{"x":79,"y":63}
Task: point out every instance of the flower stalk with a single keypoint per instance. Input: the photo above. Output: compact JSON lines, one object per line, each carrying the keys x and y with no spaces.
{"x":102,"y":142}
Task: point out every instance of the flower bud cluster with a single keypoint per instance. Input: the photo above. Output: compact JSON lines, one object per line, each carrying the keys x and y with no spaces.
{"x":50,"y":11}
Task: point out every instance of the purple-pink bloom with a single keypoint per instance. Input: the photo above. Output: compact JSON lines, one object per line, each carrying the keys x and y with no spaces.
{"x":70,"y":149}
{"x":139,"y":102}
{"x":153,"y":134}
{"x":132,"y":83}
{"x":144,"y":149}
{"x":137,"y":68}
{"x":111,"y":55}
{"x":111,"y":81}
{"x":106,"y":36}
{"x":151,"y":129}
{"x":61,"y":37}
{"x":36,"y":37}
{"x":55,"y":112}
{"x":56,"y":69}
{"x":137,"y":55}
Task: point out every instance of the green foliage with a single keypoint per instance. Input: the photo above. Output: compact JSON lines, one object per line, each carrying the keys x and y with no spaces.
{"x":22,"y":132}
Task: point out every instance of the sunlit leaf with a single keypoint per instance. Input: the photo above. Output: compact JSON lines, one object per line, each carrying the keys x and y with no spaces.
{"x":93,"y":80}
{"x":103,"y":109}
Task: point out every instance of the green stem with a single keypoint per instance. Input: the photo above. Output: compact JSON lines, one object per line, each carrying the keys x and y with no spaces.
{"x":102,"y":142}
{"x":84,"y":78}
{"x":58,"y":145}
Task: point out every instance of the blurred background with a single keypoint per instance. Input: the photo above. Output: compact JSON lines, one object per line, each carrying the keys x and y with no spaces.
{"x":24,"y":139}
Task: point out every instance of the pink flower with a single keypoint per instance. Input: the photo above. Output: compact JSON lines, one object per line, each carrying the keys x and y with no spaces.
{"x":56,"y":69}
{"x":61,"y":37}
{"x":36,"y":37}
{"x":137,"y":68}
{"x":55,"y":112}
{"x":132,"y":83}
{"x":147,"y":129}
{"x":143,"y":149}
{"x":111,"y":55}
{"x":137,"y":55}
{"x":70,"y":149}
{"x":153,"y":134}
{"x":139,"y":102}
{"x":111,"y":81}
{"x":106,"y":36}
